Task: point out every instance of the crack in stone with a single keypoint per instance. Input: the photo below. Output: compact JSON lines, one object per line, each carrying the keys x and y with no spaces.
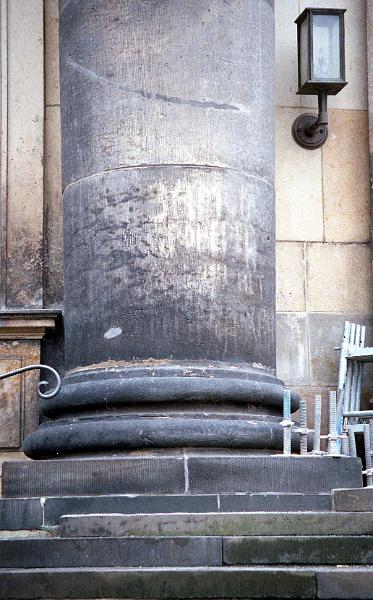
{"x":150,"y":95}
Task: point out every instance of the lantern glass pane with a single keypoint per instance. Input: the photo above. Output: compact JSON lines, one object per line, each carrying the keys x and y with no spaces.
{"x":304,"y":52}
{"x":326,"y":47}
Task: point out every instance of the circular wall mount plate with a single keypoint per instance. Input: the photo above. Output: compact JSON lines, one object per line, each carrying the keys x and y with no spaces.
{"x":302,"y":135}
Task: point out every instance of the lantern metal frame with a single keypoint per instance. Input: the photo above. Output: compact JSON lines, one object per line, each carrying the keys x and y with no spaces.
{"x":314,"y":86}
{"x":310,"y":131}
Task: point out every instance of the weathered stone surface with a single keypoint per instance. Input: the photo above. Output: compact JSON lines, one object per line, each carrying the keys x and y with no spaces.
{"x":290,"y":277}
{"x":353,"y":499}
{"x":114,"y":434}
{"x":19,"y":412}
{"x":53,"y":251}
{"x":24,"y":145}
{"x":326,"y":333}
{"x":228,"y":524}
{"x":20,"y":335}
{"x":274,"y":502}
{"x":292,"y":348}
{"x":162,"y":328}
{"x":286,"y":54}
{"x":345,"y":583}
{"x":193,"y":474}
{"x":347,"y":209}
{"x":344,"y":261}
{"x":52,"y":75}
{"x":158,"y":583}
{"x":110,"y":552}
{"x":370,"y":74}
{"x":98,"y":476}
{"x":132,"y":504}
{"x":10,"y":414}
{"x":20,"y":513}
{"x":271,"y":474}
{"x":54,"y":508}
{"x":6,"y":457}
{"x":299,"y":211}
{"x":298,"y":550}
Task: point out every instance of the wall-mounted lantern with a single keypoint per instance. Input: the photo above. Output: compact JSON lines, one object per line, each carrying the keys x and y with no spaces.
{"x":321,"y":69}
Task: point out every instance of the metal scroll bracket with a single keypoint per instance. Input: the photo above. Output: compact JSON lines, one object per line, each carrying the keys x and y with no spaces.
{"x":42,"y":384}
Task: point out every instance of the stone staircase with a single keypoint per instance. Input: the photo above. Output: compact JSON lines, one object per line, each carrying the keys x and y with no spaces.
{"x":232,"y":541}
{"x":305,"y":554}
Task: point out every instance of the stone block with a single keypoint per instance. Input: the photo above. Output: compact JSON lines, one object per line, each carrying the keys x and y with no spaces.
{"x":25,"y":147}
{"x":11,"y":395}
{"x":345,"y":583}
{"x":6,"y":457}
{"x":94,"y":477}
{"x":298,"y":474}
{"x":290,"y":277}
{"x":274,"y":502}
{"x":370,"y":71}
{"x":286,"y":54}
{"x":220,"y":524}
{"x":20,"y":513}
{"x":159,"y":583}
{"x":53,"y":255}
{"x":345,"y":161}
{"x":198,"y":474}
{"x":353,"y":500}
{"x":298,"y":550}
{"x":354,"y":95}
{"x":326,"y":333}
{"x":55,"y":507}
{"x":299,"y":210}
{"x":110,"y":552}
{"x":52,"y":74}
{"x":292,"y":348}
{"x":339,"y":278}
{"x":19,"y":410}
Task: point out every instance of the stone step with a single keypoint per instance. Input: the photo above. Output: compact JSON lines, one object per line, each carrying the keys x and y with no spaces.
{"x":217,"y":524}
{"x":190,"y":473}
{"x":156,"y":583}
{"x":35,"y":553}
{"x":187,"y":583}
{"x":32,"y":513}
{"x":185,"y":551}
{"x":298,"y":550}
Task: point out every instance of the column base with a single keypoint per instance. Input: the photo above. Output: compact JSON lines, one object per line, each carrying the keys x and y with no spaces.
{"x":161,"y":404}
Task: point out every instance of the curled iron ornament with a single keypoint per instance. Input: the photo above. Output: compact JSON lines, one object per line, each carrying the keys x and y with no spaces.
{"x":41,"y":384}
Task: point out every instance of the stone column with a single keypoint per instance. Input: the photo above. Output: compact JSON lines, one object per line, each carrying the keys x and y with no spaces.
{"x":168,"y":191}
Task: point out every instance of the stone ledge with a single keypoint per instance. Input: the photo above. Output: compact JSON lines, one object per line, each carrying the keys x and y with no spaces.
{"x":26,"y":324}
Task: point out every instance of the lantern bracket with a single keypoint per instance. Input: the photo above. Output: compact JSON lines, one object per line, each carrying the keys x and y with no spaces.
{"x":311,"y":131}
